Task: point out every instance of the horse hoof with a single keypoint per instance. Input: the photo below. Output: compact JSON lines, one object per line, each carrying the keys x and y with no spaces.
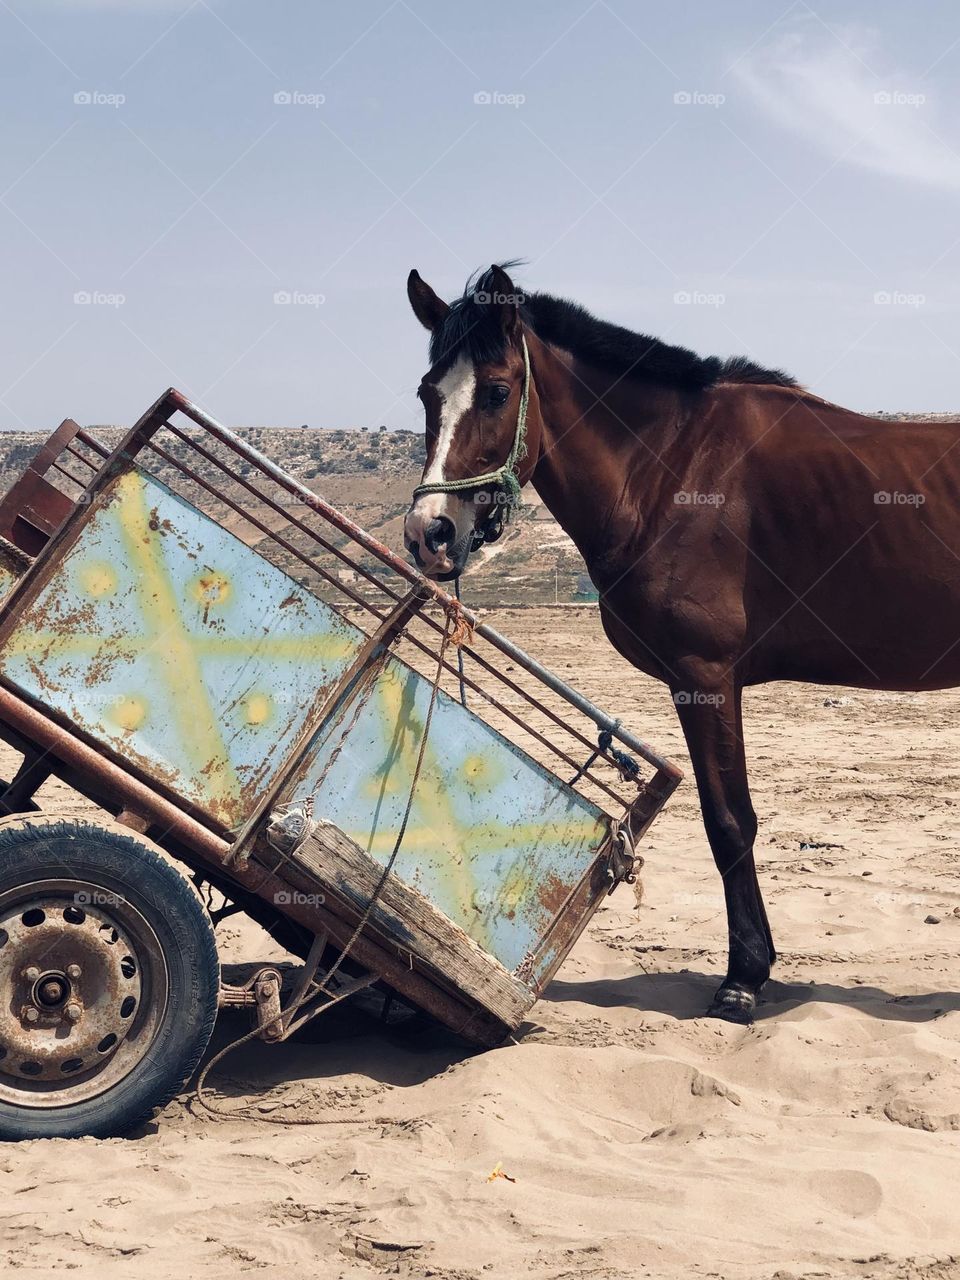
{"x":733,"y":1005}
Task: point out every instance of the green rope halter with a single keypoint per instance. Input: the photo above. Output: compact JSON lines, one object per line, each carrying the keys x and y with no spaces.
{"x":505,"y":476}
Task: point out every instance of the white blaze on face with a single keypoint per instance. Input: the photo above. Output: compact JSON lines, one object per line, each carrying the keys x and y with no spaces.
{"x":456,"y":394}
{"x":456,"y":389}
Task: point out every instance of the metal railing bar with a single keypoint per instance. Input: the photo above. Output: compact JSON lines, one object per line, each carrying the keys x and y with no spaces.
{"x":93,"y":443}
{"x":82,"y":458}
{"x":257,"y":524}
{"x":292,"y":519}
{"x":505,"y":710}
{"x":55,"y":466}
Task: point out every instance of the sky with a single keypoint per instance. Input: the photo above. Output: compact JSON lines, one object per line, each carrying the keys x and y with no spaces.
{"x":226,"y":196}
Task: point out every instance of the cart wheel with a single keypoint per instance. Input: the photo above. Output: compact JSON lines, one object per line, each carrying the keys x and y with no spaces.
{"x":109,"y":979}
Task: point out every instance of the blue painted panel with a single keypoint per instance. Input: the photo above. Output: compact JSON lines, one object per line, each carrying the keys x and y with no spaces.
{"x":179,"y":648}
{"x":494,"y":841}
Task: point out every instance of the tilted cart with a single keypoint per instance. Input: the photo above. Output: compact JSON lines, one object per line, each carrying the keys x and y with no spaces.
{"x":226,"y":685}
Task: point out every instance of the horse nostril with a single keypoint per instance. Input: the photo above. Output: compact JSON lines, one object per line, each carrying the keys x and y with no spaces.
{"x":438,"y":532}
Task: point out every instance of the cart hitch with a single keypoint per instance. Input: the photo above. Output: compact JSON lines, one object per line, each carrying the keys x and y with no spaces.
{"x":623,"y":861}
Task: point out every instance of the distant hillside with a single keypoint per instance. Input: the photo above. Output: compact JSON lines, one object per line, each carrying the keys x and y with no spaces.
{"x":370,"y":475}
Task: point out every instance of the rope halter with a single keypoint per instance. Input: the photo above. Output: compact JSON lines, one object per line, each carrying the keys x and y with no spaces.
{"x":505,"y":477}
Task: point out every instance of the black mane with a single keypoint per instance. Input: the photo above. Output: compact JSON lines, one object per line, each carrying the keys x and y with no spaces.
{"x":473,"y":328}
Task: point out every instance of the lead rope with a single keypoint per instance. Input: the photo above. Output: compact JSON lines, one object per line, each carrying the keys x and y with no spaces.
{"x":627,"y":767}
{"x":456,"y":631}
{"x":463,"y":687}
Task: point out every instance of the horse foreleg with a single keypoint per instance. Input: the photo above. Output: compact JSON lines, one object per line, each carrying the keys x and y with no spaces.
{"x":709,"y":711}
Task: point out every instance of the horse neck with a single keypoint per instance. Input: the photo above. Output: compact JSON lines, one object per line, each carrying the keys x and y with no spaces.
{"x":598,"y":430}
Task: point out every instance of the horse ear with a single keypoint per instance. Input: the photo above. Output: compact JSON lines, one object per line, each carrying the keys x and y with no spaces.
{"x":427,"y":307}
{"x":506,"y":299}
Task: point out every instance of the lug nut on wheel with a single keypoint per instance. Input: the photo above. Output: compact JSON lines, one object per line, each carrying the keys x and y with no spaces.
{"x":31,"y":973}
{"x":32,"y":1015}
{"x":74,"y":1012}
{"x":73,"y":971}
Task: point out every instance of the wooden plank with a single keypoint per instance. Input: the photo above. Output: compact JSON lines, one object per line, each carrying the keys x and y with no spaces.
{"x":335,"y":865}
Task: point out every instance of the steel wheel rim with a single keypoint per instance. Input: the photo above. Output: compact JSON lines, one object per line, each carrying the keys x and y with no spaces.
{"x":84,"y":993}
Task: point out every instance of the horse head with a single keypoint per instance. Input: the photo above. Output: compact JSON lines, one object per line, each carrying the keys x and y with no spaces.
{"x":482,"y":424}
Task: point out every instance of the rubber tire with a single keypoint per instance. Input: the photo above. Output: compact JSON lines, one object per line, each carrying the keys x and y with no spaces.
{"x":38,"y":849}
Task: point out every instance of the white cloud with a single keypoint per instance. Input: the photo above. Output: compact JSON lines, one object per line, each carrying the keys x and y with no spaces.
{"x":835,"y":92}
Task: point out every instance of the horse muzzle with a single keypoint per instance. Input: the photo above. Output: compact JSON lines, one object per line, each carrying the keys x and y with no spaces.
{"x":432,"y":541}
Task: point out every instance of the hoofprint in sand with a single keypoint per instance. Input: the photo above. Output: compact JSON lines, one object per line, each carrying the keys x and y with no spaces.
{"x":637,"y":1138}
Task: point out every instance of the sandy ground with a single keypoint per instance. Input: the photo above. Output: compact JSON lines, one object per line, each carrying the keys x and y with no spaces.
{"x":644,"y":1139}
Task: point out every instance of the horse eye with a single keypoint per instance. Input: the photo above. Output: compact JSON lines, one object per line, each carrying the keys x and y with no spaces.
{"x":497,"y":396}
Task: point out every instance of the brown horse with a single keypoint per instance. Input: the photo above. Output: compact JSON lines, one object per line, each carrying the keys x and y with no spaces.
{"x":739,"y":529}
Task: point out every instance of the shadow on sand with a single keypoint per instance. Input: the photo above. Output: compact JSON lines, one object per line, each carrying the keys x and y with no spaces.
{"x":351,"y":1039}
{"x":687,"y":994}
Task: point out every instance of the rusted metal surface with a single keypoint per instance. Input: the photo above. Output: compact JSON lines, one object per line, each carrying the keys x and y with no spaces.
{"x":33,"y":508}
{"x":79,"y":960}
{"x":261,"y":994}
{"x":365,"y":660}
{"x":113,"y":786}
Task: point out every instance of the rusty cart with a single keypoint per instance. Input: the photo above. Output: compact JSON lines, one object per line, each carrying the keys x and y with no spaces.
{"x":262,"y":700}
